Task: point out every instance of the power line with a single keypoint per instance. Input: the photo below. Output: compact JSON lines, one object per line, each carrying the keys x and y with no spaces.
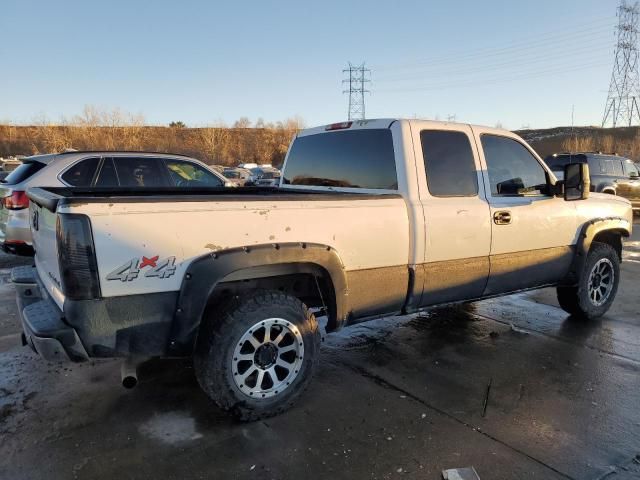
{"x":624,"y":89}
{"x":357,"y":79}
{"x":544,"y":38}
{"x":587,"y":51}
{"x":489,"y":81}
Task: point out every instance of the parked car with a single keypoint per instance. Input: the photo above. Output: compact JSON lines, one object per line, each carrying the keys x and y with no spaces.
{"x":265,"y":177}
{"x":609,"y":173}
{"x":90,"y":169}
{"x":239,"y":176}
{"x":11,"y":163}
{"x":373,"y":218}
{"x":248,"y":166}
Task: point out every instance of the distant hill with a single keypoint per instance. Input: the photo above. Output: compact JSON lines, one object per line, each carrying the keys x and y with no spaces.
{"x":622,"y":140}
{"x":265,"y":144}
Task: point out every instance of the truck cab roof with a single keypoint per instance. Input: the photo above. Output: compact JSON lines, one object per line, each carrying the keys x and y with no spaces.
{"x":378,"y":123}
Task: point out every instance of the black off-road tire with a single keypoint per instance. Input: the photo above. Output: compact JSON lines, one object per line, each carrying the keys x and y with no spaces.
{"x":576,"y":300}
{"x":220,"y":333}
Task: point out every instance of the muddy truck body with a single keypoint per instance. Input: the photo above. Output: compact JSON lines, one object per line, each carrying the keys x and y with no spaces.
{"x":371,"y":218}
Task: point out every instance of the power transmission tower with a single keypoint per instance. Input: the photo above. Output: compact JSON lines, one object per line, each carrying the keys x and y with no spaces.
{"x":357,"y":79}
{"x":624,"y":91}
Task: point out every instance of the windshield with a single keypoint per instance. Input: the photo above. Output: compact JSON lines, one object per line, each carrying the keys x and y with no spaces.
{"x":23,"y":172}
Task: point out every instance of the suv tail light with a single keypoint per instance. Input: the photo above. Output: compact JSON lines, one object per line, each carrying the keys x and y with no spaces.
{"x":16,"y":201}
{"x":76,"y":257}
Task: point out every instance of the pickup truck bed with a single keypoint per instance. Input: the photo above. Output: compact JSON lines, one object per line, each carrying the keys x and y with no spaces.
{"x":136,"y":311}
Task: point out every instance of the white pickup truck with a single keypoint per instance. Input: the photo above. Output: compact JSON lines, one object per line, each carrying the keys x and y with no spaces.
{"x":372,"y":218}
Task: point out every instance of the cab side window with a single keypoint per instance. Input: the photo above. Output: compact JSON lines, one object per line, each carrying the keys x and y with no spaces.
{"x":512,"y":169}
{"x":82,"y":173}
{"x":449,"y":164}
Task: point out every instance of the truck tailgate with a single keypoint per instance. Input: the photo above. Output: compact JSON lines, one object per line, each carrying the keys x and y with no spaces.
{"x":43,"y":230}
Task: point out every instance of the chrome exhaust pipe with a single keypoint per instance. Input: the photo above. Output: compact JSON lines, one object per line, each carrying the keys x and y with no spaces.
{"x":129,"y":372}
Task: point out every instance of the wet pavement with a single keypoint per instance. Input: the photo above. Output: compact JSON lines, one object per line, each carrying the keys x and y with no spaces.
{"x":511,"y":386}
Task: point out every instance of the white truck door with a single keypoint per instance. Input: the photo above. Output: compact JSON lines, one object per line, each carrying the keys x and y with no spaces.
{"x":456,"y":213}
{"x":532,"y":231}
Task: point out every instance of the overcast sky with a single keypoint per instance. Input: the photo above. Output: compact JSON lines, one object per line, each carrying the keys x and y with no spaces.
{"x":517,"y":63}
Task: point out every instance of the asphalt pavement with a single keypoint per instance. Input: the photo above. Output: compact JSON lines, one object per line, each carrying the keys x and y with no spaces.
{"x":511,"y":386}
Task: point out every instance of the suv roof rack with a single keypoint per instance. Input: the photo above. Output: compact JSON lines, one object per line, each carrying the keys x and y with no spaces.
{"x":71,"y":152}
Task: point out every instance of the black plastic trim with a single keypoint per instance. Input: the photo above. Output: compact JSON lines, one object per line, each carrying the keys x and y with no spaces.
{"x":206,"y":272}
{"x":590,"y":229}
{"x":53,"y":197}
{"x":44,"y":198}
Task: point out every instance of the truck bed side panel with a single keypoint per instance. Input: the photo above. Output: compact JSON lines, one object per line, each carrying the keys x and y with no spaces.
{"x":368,"y":235}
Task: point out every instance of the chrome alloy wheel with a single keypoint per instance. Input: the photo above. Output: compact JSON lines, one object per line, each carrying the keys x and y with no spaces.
{"x":267,"y":358}
{"x":601,"y":281}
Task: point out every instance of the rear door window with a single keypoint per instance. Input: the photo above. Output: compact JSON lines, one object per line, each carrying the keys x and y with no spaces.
{"x":611,"y":166}
{"x":82,"y":173}
{"x":140,"y":172}
{"x":353,"y":159}
{"x":188,"y":174}
{"x":23,"y":172}
{"x":596,"y":166}
{"x":449,"y":163}
{"x":107,"y":176}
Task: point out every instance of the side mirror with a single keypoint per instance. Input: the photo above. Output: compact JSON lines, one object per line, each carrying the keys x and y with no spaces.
{"x":576,"y":181}
{"x":634,"y":175}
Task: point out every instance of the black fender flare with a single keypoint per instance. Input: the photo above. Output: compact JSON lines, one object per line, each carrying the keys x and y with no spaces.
{"x":589,"y":231}
{"x":607,"y":186}
{"x":205,"y":272}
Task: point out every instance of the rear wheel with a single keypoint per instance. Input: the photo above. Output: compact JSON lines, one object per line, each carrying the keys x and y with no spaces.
{"x":597,"y":286}
{"x":257,"y":355}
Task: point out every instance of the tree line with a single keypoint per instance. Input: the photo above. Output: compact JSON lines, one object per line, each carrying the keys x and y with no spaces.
{"x":241,"y":142}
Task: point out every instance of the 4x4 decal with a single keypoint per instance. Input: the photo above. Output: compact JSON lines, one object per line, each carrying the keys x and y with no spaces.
{"x":160,"y":268}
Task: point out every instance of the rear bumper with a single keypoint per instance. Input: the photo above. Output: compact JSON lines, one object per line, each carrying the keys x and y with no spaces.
{"x":103,"y":327}
{"x":44,"y":329}
{"x":17,"y":248}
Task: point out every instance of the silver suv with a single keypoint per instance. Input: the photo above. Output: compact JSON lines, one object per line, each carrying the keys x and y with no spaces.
{"x":91,"y":169}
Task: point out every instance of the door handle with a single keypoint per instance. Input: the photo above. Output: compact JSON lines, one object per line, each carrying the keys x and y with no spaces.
{"x":503,"y":217}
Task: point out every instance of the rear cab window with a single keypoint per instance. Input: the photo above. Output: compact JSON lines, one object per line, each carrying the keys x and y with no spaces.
{"x":23,"y":172}
{"x":362,"y":158}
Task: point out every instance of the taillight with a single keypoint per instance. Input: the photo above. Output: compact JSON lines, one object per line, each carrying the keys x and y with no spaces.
{"x":16,"y":201}
{"x":76,"y":257}
{"x":338,"y":126}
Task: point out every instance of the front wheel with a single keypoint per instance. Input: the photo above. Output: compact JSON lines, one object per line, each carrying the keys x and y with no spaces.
{"x":257,"y":355}
{"x":597,"y":286}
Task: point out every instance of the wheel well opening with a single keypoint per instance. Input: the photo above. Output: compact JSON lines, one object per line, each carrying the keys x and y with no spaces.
{"x":312,"y":286}
{"x":611,"y":237}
